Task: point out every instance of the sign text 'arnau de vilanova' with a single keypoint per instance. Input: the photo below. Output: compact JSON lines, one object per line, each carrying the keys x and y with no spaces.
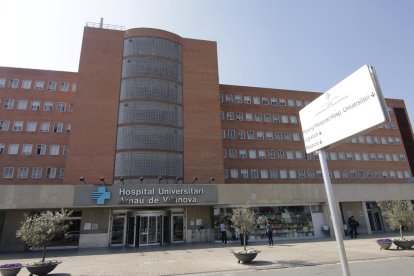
{"x":161,"y":195}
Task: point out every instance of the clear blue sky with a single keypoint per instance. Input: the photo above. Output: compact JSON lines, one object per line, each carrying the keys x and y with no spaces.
{"x":290,"y":44}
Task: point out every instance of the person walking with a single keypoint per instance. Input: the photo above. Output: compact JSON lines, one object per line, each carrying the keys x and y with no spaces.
{"x":223,"y":232}
{"x":269,"y":231}
{"x":353,"y":224}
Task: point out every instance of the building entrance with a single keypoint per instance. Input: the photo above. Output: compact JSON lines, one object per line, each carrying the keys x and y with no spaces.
{"x":375,"y":218}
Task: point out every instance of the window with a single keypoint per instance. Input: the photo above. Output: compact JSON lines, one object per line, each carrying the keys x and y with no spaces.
{"x":238,"y":99}
{"x":13,"y":149}
{"x":392,"y":174}
{"x":273,"y":174}
{"x":239,"y":116}
{"x":254,"y":173}
{"x":37,"y":173}
{"x":232,"y":153}
{"x":267,"y":118}
{"x":247,"y":100}
{"x":54,"y":149}
{"x":61,"y":107}
{"x":260,"y":135}
{"x":403,"y":157}
{"x":361,"y":139}
{"x":376,"y":140}
{"x":395,"y":157}
{"x":258,"y":117}
{"x":14,"y":83}
{"x":230,"y":116}
{"x":333,"y":155}
{"x":27,"y":149}
{"x":242,"y":153}
{"x":282,"y":102}
{"x":223,"y":133}
{"x":384,"y":140}
{"x":310,"y":174}
{"x":397,"y":140}
{"x":240,"y":134}
{"x":286,"y":136}
{"x":271,"y":154}
{"x":276,"y":118}
{"x":368,"y":139}
{"x":280,"y":154}
{"x":264,"y":174}
{"x":244,"y":173}
{"x":44,"y":127}
{"x":269,"y":135}
{"x":8,"y":104}
{"x":296,"y":136}
{"x":262,"y":154}
{"x":293,"y":119}
{"x":388,"y":157}
{"x":291,"y":102}
{"x":250,"y":135}
{"x":68,"y":127}
{"x":39,"y":85}
{"x":62,"y":173}
{"x":229,"y":98}
{"x":224,"y":153}
{"x":252,"y":154}
{"x":58,"y":127}
{"x":234,"y":173}
{"x":27,"y":84}
{"x":341,"y":156}
{"x":302,"y":174}
{"x":289,"y":155}
{"x":265,"y":100}
{"x":357,"y":156}
{"x":48,"y":106}
{"x":22,"y":173}
{"x":64,"y":86}
{"x":73,"y":87}
{"x":51,"y":173}
{"x":292,"y":174}
{"x":299,"y":155}
{"x":337,"y":174}
{"x":51,"y":85}
{"x":17,"y":125}
{"x":299,"y":103}
{"x":256,"y":100}
{"x":226,"y":174}
{"x":1,"y":148}
{"x":2,"y":82}
{"x":31,"y":126}
{"x":21,"y":104}
{"x":249,"y":116}
{"x":283,"y":174}
{"x":273,"y":101}
{"x":231,"y":134}
{"x":35,"y":105}
{"x":4,"y":125}
{"x":349,"y":156}
{"x":380,"y":156}
{"x":285,"y":119}
{"x":41,"y":149}
{"x":353,"y":174}
{"x":278,"y":136}
{"x":8,"y":172}
{"x":361,"y":174}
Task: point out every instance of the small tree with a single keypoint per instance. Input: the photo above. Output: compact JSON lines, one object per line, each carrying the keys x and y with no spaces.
{"x":397,"y":214}
{"x":39,"y":229}
{"x":244,"y":220}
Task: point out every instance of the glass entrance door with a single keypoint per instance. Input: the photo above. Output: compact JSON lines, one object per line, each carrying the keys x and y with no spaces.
{"x":149,"y":230}
{"x":118,"y":230}
{"x":178,"y":228}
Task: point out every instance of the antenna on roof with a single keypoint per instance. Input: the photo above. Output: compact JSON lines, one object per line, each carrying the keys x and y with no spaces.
{"x":101,"y":24}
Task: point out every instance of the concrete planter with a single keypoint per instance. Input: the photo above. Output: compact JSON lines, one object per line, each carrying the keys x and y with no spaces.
{"x":41,"y":269}
{"x":245,"y":257}
{"x":404,"y":244}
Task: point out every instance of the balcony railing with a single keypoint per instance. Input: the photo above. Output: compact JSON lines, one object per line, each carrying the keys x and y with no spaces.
{"x":105,"y":26}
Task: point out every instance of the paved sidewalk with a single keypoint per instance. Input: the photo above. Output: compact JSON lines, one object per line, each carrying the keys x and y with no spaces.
{"x":205,"y":258}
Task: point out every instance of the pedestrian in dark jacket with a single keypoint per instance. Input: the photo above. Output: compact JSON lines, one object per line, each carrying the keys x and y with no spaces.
{"x":353,"y":225}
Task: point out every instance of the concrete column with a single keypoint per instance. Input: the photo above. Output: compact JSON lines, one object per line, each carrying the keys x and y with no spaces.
{"x":368,"y":225}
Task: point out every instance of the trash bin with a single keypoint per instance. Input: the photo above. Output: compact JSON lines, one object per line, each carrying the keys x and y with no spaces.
{"x":325,"y":229}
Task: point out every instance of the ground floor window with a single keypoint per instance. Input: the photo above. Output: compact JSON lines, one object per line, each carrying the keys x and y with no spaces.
{"x":287,"y":222}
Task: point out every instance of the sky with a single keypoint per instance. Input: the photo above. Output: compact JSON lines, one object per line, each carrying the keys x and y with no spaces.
{"x":287,"y":44}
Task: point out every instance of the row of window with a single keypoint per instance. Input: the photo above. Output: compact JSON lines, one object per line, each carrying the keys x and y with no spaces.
{"x":40,"y":149}
{"x":38,"y":85}
{"x":269,"y":118}
{"x":295,"y":136}
{"x":31,"y":126}
{"x":36,"y":173}
{"x":239,"y":99}
{"x":36,"y":105}
{"x":311,"y":174}
{"x":298,"y":155}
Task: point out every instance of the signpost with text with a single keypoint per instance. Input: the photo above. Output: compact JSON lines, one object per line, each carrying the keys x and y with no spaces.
{"x":352,"y":107}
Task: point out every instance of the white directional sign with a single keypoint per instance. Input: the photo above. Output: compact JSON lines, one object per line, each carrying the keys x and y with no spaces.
{"x":353,"y":106}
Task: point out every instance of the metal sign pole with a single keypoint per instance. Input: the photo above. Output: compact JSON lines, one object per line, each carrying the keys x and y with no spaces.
{"x":334,"y":213}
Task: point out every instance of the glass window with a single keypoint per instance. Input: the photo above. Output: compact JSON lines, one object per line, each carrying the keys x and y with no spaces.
{"x":13,"y":148}
{"x":273,"y":101}
{"x":1,"y":148}
{"x":258,"y":117}
{"x":238,"y":99}
{"x":254,"y":173}
{"x":2,"y":82}
{"x":249,"y":116}
{"x":230,"y":116}
{"x":293,"y":119}
{"x":252,"y":154}
{"x":299,"y":155}
{"x":267,"y":118}
{"x":242,"y":153}
{"x":241,"y":134}
{"x":276,"y":118}
{"x":226,"y":174}
{"x":289,"y":155}
{"x":273,"y":174}
{"x":250,"y":135}
{"x":17,"y":125}
{"x":51,"y":86}
{"x":265,"y":100}
{"x":31,"y":126}
{"x":244,"y":173}
{"x":8,"y":172}
{"x":37,"y":173}
{"x":64,"y":86}
{"x":8,"y":104}
{"x":224,"y":153}
{"x":296,"y":136}
{"x":278,"y":136}
{"x":269,"y":135}
{"x":58,"y":127}
{"x":14,"y":83}
{"x":231,"y":134}
{"x":73,"y":87}
{"x":35,"y":105}
{"x":62,"y":173}
{"x":27,"y":84}
{"x":247,"y":100}
{"x":240,"y":116}
{"x":232,"y":153}
{"x":229,"y":98}
{"x":299,"y":103}
{"x":337,"y":174}
{"x":47,"y":106}
{"x":264,"y":174}
{"x":256,"y":100}
{"x":283,"y":174}
{"x":280,"y":154}
{"x":291,"y":102}
{"x":292,"y":174}
{"x":271,"y":154}
{"x":39,"y":85}
{"x":22,"y":104}
{"x":260,"y":135}
{"x":44,"y":127}
{"x":22,"y":173}
{"x":54,"y":149}
{"x":285,"y":119}
{"x":282,"y":102}
{"x":51,"y":173}
{"x":27,"y":149}
{"x":262,"y":154}
{"x":234,"y":173}
{"x":41,"y":149}
{"x":4,"y":125}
